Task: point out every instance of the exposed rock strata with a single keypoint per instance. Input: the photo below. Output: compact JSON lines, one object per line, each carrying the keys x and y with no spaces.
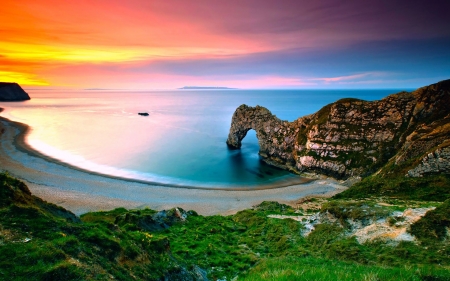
{"x":435,"y":162}
{"x":12,"y":92}
{"x":352,"y":137}
{"x":390,"y":227}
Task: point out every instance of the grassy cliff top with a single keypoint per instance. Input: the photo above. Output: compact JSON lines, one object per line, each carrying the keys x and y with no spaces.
{"x":42,"y":241}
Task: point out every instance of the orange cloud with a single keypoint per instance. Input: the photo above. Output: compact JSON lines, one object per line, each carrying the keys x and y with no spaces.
{"x":275,"y":40}
{"x":22,"y":78}
{"x":51,"y":33}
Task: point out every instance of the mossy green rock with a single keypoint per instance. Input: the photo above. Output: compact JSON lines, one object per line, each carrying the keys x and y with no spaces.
{"x":42,"y":241}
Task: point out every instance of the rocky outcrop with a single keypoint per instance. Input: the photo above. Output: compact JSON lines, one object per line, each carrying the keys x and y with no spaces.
{"x":351,"y":137}
{"x":391,"y":227}
{"x":16,"y":193}
{"x":276,"y":137}
{"x":435,"y":162}
{"x":155,"y":222}
{"x":12,"y":92}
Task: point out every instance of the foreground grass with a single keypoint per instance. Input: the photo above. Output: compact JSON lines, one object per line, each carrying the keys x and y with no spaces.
{"x":434,"y":225}
{"x":41,"y":241}
{"x":251,"y":245}
{"x":430,"y":188}
{"x":286,"y":269}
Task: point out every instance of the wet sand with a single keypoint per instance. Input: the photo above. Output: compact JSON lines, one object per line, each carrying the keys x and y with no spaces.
{"x":82,"y":191}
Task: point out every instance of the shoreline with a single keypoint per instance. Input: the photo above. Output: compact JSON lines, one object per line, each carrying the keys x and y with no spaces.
{"x":81,"y":190}
{"x":21,"y":145}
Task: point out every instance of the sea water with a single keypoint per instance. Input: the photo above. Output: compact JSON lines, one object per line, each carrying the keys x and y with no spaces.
{"x":181,"y":142}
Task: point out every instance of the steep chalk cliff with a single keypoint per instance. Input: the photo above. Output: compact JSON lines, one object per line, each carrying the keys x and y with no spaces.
{"x":12,"y":92}
{"x":353,"y":137}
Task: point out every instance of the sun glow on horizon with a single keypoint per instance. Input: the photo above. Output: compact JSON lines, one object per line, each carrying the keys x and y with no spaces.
{"x":159,"y":44}
{"x":22,"y":78}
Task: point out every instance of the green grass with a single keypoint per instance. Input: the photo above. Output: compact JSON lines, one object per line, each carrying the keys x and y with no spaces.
{"x":430,"y":188}
{"x":434,"y":224}
{"x":355,"y":210}
{"x":229,"y":245}
{"x":292,"y":268}
{"x":42,"y":241}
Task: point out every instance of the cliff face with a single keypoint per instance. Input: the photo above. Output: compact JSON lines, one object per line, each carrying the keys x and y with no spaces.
{"x":276,"y":138}
{"x":353,"y":137}
{"x":12,"y":92}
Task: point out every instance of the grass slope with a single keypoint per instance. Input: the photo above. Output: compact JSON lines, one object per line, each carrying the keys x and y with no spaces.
{"x":430,"y":188}
{"x":289,"y":268}
{"x":44,"y":242}
{"x":41,"y":241}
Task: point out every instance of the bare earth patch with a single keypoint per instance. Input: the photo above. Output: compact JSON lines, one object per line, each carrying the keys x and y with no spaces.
{"x":391,"y":228}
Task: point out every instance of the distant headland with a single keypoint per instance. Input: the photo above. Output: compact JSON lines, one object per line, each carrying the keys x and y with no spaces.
{"x":351,"y":137}
{"x":205,"y":88}
{"x":12,"y":92}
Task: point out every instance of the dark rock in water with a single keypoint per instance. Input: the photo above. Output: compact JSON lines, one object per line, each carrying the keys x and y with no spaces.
{"x":351,"y":137}
{"x":143,"y":113}
{"x":12,"y":92}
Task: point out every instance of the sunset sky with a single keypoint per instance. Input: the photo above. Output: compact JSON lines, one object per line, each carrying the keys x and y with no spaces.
{"x":145,"y":44}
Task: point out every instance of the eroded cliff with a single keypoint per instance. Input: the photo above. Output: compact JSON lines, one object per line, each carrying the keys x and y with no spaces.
{"x":12,"y":92}
{"x":353,"y":137}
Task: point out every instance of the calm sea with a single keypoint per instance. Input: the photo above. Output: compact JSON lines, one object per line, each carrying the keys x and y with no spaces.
{"x":182,"y":141}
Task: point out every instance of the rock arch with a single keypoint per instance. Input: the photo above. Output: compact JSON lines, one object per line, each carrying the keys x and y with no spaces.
{"x":353,"y":137}
{"x":275,"y":137}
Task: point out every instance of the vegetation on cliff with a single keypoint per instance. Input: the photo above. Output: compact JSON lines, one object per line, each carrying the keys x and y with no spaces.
{"x":352,"y":137}
{"x":45,"y":242}
{"x":433,"y":188}
{"x":41,"y":241}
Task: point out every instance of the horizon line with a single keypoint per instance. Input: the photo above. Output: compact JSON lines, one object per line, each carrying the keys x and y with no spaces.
{"x":209,"y":89}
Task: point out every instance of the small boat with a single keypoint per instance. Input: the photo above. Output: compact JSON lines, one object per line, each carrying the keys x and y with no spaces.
{"x":143,"y":113}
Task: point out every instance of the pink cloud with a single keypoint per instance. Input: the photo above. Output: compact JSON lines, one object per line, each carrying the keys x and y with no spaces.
{"x":348,"y":78}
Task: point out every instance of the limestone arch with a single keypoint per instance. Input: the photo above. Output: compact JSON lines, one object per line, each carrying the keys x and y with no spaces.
{"x":244,"y":119}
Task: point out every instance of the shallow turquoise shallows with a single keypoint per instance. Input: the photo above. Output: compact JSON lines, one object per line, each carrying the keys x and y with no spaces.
{"x":180,"y":142}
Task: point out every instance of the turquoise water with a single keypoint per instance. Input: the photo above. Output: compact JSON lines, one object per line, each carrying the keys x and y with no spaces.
{"x":182,"y":141}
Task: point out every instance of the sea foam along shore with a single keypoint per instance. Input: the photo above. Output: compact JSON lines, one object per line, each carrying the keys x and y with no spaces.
{"x":82,"y":191}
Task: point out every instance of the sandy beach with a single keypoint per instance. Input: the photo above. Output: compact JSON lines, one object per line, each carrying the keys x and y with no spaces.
{"x":83,"y":191}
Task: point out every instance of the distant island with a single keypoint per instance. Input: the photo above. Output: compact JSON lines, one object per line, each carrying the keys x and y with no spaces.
{"x":205,"y":88}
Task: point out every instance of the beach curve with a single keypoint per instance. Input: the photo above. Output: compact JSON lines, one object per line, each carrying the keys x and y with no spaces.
{"x":81,"y":191}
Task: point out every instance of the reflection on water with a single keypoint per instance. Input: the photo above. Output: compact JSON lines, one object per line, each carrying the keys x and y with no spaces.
{"x":182,"y":141}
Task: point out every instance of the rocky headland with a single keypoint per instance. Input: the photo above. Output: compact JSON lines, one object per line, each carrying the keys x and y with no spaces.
{"x":351,"y":137}
{"x":12,"y":92}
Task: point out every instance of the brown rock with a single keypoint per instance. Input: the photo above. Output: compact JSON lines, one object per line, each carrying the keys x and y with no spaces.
{"x":353,"y":137}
